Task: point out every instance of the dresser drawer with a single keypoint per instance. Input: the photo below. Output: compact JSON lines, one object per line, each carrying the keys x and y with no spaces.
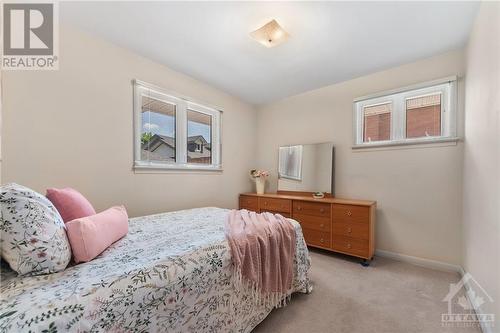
{"x":350,"y":213}
{"x":275,"y":205}
{"x":249,"y":202}
{"x":313,"y":222}
{"x":357,"y":247}
{"x":354,"y":230}
{"x":311,"y":208}
{"x":317,"y":238}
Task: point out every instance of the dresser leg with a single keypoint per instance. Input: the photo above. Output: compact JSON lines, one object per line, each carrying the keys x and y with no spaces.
{"x":365,"y":263}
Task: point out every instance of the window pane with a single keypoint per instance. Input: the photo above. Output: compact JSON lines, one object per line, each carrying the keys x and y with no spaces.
{"x":377,"y":122}
{"x":158,"y":130}
{"x":423,"y":116}
{"x":199,"y":148}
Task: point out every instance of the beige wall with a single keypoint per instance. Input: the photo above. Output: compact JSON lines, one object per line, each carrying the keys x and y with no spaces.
{"x":418,"y":189}
{"x":73,"y":127}
{"x":482,"y":156}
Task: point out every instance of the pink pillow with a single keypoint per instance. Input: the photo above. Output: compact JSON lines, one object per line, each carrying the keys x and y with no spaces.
{"x":70,"y":203}
{"x":90,"y":236}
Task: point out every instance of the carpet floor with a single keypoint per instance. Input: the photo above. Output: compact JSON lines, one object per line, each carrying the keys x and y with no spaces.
{"x":388,"y":296}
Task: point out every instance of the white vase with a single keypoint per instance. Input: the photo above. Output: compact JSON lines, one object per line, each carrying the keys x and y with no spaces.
{"x":260,"y":185}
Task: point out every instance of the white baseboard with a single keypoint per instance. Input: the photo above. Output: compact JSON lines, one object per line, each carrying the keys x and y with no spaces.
{"x":428,"y":263}
{"x":469,"y":293}
{"x":438,"y":265}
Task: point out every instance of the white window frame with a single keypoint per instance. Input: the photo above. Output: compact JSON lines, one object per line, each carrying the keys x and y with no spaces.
{"x":182,"y":104}
{"x":361,"y":123}
{"x":446,"y":87}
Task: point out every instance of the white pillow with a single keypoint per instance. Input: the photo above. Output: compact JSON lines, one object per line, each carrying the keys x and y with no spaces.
{"x":33,"y":239}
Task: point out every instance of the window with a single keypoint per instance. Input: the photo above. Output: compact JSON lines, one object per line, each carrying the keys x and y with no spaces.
{"x":418,"y":114}
{"x":172,"y":132}
{"x":377,"y":122}
{"x":423,"y":116}
{"x":157,"y":130}
{"x":199,"y":137}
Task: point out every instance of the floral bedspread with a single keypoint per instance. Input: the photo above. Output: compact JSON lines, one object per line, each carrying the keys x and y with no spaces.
{"x":171,"y":273}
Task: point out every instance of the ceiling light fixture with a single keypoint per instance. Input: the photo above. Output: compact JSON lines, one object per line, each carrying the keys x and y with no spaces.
{"x":271,"y":34}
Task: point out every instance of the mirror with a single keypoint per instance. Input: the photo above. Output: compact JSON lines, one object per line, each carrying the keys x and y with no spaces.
{"x":306,"y":168}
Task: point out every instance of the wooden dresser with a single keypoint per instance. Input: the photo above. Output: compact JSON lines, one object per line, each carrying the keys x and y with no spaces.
{"x":339,"y":225}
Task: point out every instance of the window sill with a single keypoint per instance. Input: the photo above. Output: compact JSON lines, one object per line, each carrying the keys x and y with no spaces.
{"x":420,"y":143}
{"x":175,"y":168}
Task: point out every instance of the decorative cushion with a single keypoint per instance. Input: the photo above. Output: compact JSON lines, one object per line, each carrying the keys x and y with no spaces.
{"x":70,"y":203}
{"x":33,"y":240}
{"x":90,"y":236}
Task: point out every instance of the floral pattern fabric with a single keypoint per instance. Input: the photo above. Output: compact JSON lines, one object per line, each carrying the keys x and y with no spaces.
{"x":33,"y":239}
{"x":171,"y":273}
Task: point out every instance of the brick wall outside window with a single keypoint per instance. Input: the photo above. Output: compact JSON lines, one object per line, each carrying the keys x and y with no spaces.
{"x":424,"y":121}
{"x":377,"y":122}
{"x":423,"y":116}
{"x":377,"y":127}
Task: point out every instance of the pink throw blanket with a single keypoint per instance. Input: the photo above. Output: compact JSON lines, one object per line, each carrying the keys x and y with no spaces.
{"x":262,"y":249}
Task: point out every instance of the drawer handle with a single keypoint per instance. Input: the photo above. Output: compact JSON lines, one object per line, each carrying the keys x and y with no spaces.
{"x":322,"y":225}
{"x":265,"y":203}
{"x":322,"y":240}
{"x":348,"y":245}
{"x":248,"y":202}
{"x":299,"y":208}
{"x":349,"y":230}
{"x":349,"y":213}
{"x":322,"y":210}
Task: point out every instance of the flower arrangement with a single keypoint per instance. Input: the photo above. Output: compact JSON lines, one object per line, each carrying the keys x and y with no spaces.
{"x":260,"y":179}
{"x":259,"y":173}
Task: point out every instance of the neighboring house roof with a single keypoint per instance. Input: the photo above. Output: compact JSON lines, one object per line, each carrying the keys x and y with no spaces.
{"x":171,"y":142}
{"x":165,"y":139}
{"x":196,"y":138}
{"x":157,"y":140}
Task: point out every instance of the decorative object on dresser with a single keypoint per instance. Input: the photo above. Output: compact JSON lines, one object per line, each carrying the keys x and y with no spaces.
{"x":339,"y":225}
{"x":260,"y":179}
{"x":318,"y":195}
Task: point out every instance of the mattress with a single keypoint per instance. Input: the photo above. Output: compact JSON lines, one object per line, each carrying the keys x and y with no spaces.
{"x":171,"y":273}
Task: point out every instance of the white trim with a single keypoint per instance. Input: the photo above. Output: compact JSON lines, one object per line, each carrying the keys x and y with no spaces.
{"x":422,"y":262}
{"x":167,"y":168}
{"x":470,"y":296}
{"x":408,"y":142}
{"x":448,"y":79}
{"x":174,"y":93}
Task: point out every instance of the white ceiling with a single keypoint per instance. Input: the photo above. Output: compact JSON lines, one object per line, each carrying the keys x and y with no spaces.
{"x":330,"y":41}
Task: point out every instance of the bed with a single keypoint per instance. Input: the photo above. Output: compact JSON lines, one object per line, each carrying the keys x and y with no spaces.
{"x":171,"y":273}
